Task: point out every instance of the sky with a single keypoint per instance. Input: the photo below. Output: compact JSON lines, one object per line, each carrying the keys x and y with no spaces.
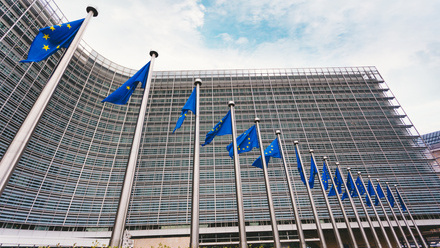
{"x":400,"y":37}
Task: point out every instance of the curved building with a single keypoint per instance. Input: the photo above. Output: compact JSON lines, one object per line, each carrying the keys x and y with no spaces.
{"x":66,"y":186}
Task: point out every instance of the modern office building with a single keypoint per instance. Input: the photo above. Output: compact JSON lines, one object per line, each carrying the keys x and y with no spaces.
{"x":432,"y":140}
{"x":66,"y":186}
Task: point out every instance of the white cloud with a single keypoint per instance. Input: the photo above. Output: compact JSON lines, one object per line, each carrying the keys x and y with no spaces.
{"x":401,"y":38}
{"x":242,"y":41}
{"x":225,"y":37}
{"x":229,"y":40}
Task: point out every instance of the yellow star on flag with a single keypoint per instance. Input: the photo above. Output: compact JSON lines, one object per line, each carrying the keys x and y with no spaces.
{"x":46,"y":47}
{"x":46,"y":36}
{"x":128,"y":87}
{"x":60,"y":25}
{"x":52,"y":28}
{"x":58,"y":47}
{"x":68,"y":25}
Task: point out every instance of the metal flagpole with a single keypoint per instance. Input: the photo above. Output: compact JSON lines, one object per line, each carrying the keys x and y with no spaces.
{"x":386,"y":216}
{"x":341,"y":205}
{"x":327,"y":203}
{"x":194,"y":236}
{"x":273,"y":220}
{"x":356,"y":214}
{"x":312,"y":204}
{"x":299,"y":229}
{"x":373,"y":230}
{"x":124,"y":200}
{"x":375,"y":213}
{"x":406,"y":222}
{"x":412,"y":219}
{"x":16,"y":148}
{"x":238,"y":189}
{"x":395,"y":218}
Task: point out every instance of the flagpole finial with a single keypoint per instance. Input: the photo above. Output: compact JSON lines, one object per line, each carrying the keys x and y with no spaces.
{"x":256,"y":119}
{"x":198,"y":81}
{"x":378,"y":179}
{"x":296,"y":142}
{"x":311,"y":151}
{"x":359,"y":173}
{"x":348,"y":168}
{"x":324,"y":158}
{"x":152,"y":52}
{"x":93,"y":9}
{"x":369,"y":176}
{"x":231,"y":103}
{"x":395,"y":185}
{"x":386,"y":183}
{"x":337,"y":163}
{"x":278,"y":132}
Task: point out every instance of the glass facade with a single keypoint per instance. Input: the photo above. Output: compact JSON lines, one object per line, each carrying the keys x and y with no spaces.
{"x":432,"y":139}
{"x":71,"y":173}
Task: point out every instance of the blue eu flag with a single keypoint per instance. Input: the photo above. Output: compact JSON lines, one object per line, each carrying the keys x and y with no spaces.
{"x":345,"y":195}
{"x":300,"y":167}
{"x":189,"y":105}
{"x":245,"y":142}
{"x":273,"y":150}
{"x":313,"y":172}
{"x":350,"y":187}
{"x":390,"y":196}
{"x":122,"y":94}
{"x":224,"y":127}
{"x":370,"y":191}
{"x":338,"y":183}
{"x":360,"y":187}
{"x":51,"y":39}
{"x":325,"y":176}
{"x":402,"y":204}
{"x":379,"y":195}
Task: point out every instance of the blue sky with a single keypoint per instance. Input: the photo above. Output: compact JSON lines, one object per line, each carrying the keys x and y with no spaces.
{"x":400,"y":38}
